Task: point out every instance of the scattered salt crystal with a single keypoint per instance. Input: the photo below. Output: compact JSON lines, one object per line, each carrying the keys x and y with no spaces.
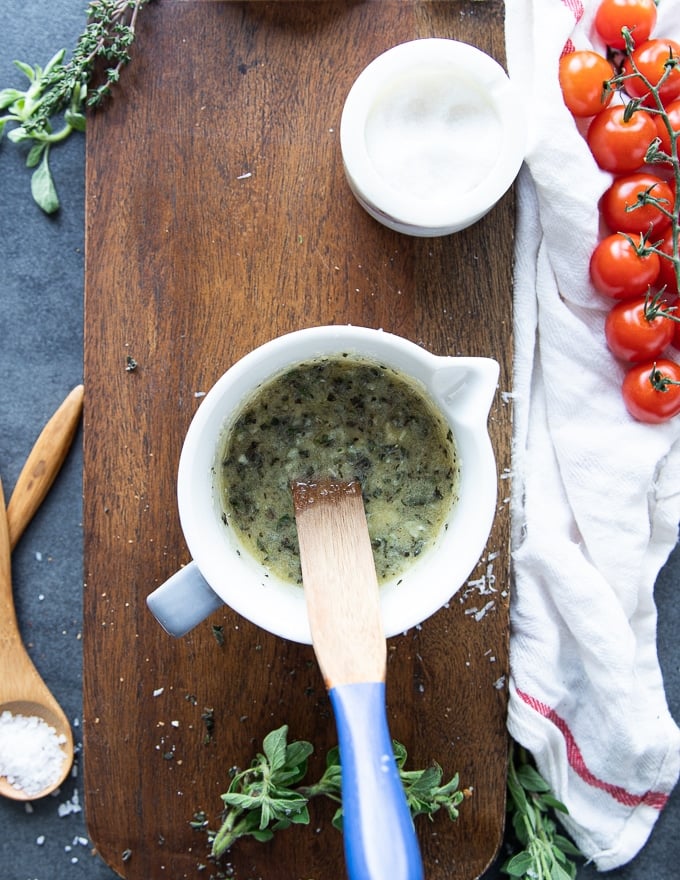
{"x":31,"y":757}
{"x":38,"y":556}
{"x":499,"y":684}
{"x":158,"y":692}
{"x":40,"y":840}
{"x":72,"y":806}
{"x":245,"y":176}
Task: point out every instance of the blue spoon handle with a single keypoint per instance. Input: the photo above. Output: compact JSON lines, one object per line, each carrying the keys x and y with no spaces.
{"x":379,"y":838}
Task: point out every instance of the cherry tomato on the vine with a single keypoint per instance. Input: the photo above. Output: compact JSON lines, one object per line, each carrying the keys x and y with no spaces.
{"x":673,"y":114}
{"x":667,"y":276}
{"x":637,"y":330}
{"x":582,"y":77}
{"x":617,"y":270}
{"x":649,"y":59}
{"x":651,"y":391}
{"x":639,"y":16}
{"x":620,"y":145}
{"x":624,"y":192}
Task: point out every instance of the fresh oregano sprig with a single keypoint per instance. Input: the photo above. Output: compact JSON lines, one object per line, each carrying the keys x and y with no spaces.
{"x":53,"y":105}
{"x":269,"y":796}
{"x":544,"y":853}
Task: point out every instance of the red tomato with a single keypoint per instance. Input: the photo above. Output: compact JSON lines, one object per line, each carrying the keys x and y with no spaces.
{"x":639,"y":16}
{"x":620,"y":146}
{"x":673,"y":113}
{"x":651,"y":391}
{"x":667,"y":274}
{"x":676,"y":334}
{"x":649,"y":59}
{"x":637,"y":330}
{"x":617,"y":203}
{"x":618,"y":271}
{"x":583,"y":75}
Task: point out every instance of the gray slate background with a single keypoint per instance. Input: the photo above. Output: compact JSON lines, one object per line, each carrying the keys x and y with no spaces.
{"x":41,"y":324}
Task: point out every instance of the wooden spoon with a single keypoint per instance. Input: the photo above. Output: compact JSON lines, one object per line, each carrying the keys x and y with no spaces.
{"x":22,"y":690}
{"x":341,"y":592}
{"x":43,"y":463}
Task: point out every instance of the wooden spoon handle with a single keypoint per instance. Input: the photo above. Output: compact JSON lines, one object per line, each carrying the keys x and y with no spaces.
{"x":379,"y":837}
{"x":43,"y":464}
{"x":8,"y":619}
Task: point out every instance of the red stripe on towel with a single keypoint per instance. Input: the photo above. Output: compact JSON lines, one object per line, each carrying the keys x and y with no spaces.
{"x":576,"y":6}
{"x":655,"y":799}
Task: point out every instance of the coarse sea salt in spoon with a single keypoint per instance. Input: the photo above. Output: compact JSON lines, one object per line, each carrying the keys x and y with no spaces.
{"x":31,"y":755}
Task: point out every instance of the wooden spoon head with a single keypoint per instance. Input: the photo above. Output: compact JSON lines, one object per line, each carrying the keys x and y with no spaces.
{"x":55,"y":718}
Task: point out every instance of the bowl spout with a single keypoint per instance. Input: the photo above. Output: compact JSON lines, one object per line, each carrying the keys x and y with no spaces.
{"x":466,"y":386}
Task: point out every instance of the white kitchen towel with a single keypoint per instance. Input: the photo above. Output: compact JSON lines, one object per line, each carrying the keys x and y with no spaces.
{"x":596,"y":495}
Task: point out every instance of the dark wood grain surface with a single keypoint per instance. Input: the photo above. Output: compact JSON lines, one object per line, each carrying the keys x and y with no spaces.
{"x":218,"y":217}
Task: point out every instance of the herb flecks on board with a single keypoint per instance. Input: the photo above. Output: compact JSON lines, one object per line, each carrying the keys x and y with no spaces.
{"x":54,"y":104}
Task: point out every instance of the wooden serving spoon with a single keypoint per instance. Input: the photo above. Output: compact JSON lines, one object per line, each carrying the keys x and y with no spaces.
{"x":22,"y":690}
{"x":341,"y":592}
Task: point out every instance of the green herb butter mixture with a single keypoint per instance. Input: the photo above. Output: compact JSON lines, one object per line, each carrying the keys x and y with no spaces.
{"x":345,"y":418}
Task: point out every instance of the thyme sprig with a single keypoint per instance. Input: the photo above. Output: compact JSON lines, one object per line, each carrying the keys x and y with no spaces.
{"x":269,"y":795}
{"x":544,"y":854}
{"x":53,"y":105}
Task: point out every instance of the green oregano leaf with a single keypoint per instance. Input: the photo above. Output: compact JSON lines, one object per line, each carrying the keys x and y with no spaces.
{"x":519,"y":865}
{"x":76,"y":120}
{"x":35,"y":155}
{"x":42,"y":186}
{"x":274,"y":745}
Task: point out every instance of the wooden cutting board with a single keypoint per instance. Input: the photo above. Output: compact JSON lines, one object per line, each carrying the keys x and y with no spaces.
{"x":218,"y":217}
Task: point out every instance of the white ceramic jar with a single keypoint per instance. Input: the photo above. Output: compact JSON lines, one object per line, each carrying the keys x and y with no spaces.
{"x":462,"y":388}
{"x":432,"y":135}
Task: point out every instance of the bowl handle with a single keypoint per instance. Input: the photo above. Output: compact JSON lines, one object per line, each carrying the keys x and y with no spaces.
{"x":183,"y":601}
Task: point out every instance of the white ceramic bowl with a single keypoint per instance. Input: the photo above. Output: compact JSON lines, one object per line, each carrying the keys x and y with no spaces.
{"x":432,"y":135}
{"x":462,"y":388}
